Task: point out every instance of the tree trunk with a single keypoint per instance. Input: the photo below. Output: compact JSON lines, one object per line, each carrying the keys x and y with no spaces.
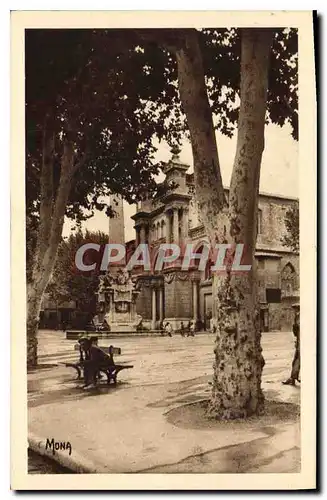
{"x":193,"y":93}
{"x":238,"y":360}
{"x":49,"y":237}
{"x":238,"y":355}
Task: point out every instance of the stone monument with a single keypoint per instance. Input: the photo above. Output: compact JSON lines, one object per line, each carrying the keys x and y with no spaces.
{"x":117,"y":294}
{"x":118,"y":291}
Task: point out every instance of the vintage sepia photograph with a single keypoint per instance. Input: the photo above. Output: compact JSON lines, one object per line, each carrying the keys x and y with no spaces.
{"x":164,"y":316}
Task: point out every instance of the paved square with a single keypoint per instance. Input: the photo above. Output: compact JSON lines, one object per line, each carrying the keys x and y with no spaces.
{"x":127,"y":428}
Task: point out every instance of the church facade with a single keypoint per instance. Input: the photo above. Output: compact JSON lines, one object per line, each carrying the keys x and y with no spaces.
{"x":176,"y":295}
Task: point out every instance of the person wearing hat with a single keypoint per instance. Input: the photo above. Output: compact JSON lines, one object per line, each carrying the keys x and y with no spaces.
{"x":95,"y":358}
{"x":295,"y":372}
{"x":83,"y":354}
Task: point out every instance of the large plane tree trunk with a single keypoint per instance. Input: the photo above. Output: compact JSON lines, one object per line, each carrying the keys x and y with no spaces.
{"x":207,"y":175}
{"x":52,"y":212}
{"x":238,"y":361}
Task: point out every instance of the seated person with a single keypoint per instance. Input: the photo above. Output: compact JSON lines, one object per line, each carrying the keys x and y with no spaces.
{"x":83,"y":354}
{"x":95,"y":359}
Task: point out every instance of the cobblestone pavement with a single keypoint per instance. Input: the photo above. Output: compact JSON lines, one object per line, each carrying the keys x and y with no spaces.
{"x":157,"y":360}
{"x":131,"y":419}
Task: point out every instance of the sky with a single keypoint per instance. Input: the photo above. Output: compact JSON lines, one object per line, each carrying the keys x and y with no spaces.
{"x":279,"y":172}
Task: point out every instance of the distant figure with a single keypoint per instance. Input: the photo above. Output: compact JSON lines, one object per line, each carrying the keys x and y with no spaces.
{"x":208,"y":320}
{"x":295,"y":373}
{"x":105,"y":326}
{"x":95,"y":358}
{"x":182,"y":330}
{"x":213,"y":327}
{"x":98,"y":325}
{"x":168,"y":329}
{"x":139,"y":326}
{"x":162,"y":327}
{"x":191,"y":331}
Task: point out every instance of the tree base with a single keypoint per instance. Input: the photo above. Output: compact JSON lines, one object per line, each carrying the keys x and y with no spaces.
{"x":219,"y":413}
{"x":195,"y":416}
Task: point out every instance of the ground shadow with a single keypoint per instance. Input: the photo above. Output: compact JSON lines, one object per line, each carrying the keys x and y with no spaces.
{"x":43,"y":366}
{"x":193,"y":416}
{"x":74,"y":392}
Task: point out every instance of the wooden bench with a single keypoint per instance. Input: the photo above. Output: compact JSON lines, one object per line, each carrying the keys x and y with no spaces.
{"x":111,"y":371}
{"x":75,"y":334}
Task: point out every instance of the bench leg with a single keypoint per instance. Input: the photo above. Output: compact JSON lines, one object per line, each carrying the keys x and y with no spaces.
{"x":111,"y":376}
{"x":79,"y":372}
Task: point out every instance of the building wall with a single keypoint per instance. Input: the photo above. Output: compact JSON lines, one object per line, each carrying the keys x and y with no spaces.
{"x":277,"y":266}
{"x":144,"y":302}
{"x":178,"y":297}
{"x":273,"y":212}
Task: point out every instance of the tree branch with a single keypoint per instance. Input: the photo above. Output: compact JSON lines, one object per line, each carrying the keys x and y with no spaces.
{"x":244,"y":188}
{"x":46,"y":189}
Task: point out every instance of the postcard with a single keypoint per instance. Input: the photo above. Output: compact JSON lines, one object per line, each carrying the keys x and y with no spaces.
{"x":163,"y":179}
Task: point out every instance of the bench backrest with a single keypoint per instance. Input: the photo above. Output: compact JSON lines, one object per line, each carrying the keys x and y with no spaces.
{"x":115,"y":350}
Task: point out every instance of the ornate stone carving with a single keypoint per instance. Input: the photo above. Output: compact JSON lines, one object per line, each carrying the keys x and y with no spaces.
{"x":117,"y":295}
{"x":177,"y":276}
{"x":198,"y":232}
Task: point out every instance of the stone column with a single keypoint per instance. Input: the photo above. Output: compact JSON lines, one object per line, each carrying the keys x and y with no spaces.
{"x":175,"y":226}
{"x":185,"y":224}
{"x":168,"y":228}
{"x":142,"y":234}
{"x":154,"y":309}
{"x":195,"y":301}
{"x":161,"y":305}
{"x":137,"y":229}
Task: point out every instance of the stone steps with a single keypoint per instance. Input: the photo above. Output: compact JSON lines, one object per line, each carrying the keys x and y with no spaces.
{"x":75,"y":334}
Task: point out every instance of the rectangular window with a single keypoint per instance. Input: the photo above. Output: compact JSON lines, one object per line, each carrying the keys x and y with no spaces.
{"x":273,"y":295}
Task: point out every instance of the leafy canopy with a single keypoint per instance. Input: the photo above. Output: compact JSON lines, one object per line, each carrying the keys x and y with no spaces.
{"x":292,"y":223}
{"x":117,"y":90}
{"x":67,"y":282}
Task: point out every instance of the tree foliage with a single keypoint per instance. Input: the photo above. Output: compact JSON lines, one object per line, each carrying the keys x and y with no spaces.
{"x":69,"y":283}
{"x":117,"y":89}
{"x":101,"y":94}
{"x":292,"y":222}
